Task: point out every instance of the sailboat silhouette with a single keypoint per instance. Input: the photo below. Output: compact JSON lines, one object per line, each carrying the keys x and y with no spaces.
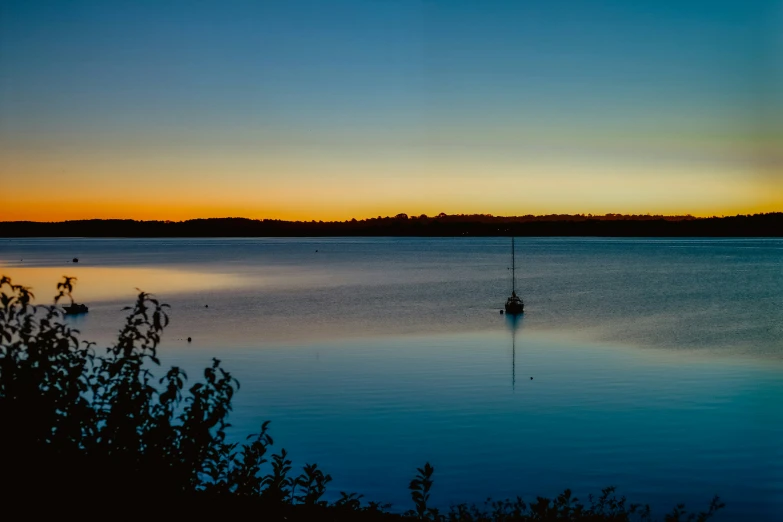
{"x":514,"y":304}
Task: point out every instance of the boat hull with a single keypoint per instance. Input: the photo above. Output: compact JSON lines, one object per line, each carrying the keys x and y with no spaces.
{"x":75,"y":309}
{"x":514,"y":305}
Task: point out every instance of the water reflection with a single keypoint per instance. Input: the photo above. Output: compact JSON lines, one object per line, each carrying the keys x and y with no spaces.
{"x":672,"y":294}
{"x":374,"y":356}
{"x":113,"y":283}
{"x":77,"y":321}
{"x":123,"y":283}
{"x":514,"y":323}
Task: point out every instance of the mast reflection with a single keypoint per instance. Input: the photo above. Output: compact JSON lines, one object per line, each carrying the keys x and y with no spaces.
{"x":514,"y":323}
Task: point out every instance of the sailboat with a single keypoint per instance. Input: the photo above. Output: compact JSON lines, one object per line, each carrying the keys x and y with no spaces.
{"x":75,"y":309}
{"x":514,"y":304}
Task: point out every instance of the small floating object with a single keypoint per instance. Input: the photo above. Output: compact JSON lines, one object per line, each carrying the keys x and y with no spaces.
{"x":501,"y":312}
{"x":189,"y":339}
{"x":74,"y":309}
{"x":75,"y":259}
{"x":316,"y":250}
{"x":531,"y":378}
{"x":206,"y":306}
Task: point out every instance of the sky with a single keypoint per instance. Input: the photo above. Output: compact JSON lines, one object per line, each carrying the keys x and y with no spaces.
{"x":343,"y":109}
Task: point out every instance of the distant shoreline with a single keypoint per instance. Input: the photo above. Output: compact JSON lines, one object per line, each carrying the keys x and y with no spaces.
{"x":611,"y":225}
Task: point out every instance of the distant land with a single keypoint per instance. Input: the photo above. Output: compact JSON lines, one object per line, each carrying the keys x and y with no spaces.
{"x":442,"y":225}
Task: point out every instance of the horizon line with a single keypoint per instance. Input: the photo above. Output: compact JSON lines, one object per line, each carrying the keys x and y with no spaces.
{"x":405,"y":216}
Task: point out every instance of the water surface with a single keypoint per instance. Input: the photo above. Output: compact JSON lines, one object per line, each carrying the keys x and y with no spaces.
{"x":656,"y":364}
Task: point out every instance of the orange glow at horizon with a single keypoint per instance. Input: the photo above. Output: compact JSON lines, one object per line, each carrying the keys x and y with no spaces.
{"x":344,"y":184}
{"x":309,"y":208}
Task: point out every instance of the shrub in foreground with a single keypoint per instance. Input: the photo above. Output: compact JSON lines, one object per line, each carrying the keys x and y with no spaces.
{"x":95,"y":432}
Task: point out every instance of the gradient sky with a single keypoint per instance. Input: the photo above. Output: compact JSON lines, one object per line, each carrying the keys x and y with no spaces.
{"x":338,"y":109}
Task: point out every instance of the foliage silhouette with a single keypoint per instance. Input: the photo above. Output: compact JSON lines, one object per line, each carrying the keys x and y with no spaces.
{"x":420,"y":492}
{"x":92,"y":433}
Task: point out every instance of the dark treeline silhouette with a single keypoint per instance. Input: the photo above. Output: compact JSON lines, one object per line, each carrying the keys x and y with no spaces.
{"x":94,"y":433}
{"x":442,"y":225}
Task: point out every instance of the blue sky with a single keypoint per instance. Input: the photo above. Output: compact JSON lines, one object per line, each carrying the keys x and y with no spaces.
{"x":299,"y":99}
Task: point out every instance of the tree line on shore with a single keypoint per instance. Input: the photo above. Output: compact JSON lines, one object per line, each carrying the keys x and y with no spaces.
{"x":442,"y":225}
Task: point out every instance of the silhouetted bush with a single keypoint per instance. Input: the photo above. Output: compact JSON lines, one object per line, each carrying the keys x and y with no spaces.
{"x":98,"y":435}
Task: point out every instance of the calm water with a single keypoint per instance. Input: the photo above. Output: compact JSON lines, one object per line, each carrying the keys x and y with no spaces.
{"x":656,"y":364}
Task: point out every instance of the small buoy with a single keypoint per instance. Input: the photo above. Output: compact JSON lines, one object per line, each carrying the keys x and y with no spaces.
{"x":206,"y":306}
{"x":75,"y":259}
{"x":189,"y":339}
{"x":531,"y":378}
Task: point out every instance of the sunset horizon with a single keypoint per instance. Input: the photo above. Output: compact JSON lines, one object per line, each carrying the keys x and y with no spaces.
{"x":301,"y":110}
{"x":409,"y":215}
{"x":470,"y":260}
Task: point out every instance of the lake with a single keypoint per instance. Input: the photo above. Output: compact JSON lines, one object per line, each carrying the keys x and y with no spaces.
{"x":654,"y":365}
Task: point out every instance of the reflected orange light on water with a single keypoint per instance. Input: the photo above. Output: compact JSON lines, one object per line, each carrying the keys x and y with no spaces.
{"x":116,"y":283}
{"x":120,"y":283}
